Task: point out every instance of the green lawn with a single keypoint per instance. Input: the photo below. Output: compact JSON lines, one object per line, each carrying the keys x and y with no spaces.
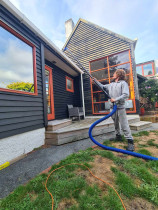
{"x":74,"y":188}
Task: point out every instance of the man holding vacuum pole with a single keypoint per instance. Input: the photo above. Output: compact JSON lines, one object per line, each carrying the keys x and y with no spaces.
{"x":119,"y":92}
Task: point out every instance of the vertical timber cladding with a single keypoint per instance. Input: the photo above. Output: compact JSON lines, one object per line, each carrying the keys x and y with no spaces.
{"x":89,"y":42}
{"x":20,"y":113}
{"x":62,"y":97}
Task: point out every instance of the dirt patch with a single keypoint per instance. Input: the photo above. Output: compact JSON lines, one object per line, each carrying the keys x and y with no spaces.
{"x":145,"y":139}
{"x":101,"y":169}
{"x":153,"y":151}
{"x":33,"y":196}
{"x":119,"y":145}
{"x":141,"y":140}
{"x":139,"y":204}
{"x":137,"y":182}
{"x":66,"y":203}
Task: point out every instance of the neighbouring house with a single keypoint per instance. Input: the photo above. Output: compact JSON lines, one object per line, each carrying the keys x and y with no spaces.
{"x":37,"y":82}
{"x":102,"y":51}
{"x":140,"y":79}
{"x":148,"y":69}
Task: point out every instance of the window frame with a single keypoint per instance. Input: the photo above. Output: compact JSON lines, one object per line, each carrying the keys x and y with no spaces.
{"x":70,"y":90}
{"x":142,"y":66}
{"x":130,"y":73}
{"x":19,"y":36}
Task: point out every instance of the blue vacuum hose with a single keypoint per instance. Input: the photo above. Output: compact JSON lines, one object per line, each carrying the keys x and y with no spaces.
{"x":111,"y":148}
{"x":106,"y":117}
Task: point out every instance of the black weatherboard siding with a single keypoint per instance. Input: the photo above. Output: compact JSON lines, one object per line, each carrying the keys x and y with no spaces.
{"x":62,"y":97}
{"x":89,"y":42}
{"x":20,"y":112}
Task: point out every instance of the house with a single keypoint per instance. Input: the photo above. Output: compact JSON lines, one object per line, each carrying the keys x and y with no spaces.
{"x":37,"y":81}
{"x":102,"y":51}
{"x":147,"y":69}
{"x":140,"y":79}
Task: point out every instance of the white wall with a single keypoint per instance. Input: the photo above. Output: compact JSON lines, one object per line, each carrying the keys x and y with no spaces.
{"x":15,"y":146}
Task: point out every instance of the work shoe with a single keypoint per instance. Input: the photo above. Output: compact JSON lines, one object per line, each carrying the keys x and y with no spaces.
{"x":118,"y":138}
{"x":130,"y":145}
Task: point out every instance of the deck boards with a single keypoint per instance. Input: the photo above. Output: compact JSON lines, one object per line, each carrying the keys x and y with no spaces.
{"x":79,"y":130}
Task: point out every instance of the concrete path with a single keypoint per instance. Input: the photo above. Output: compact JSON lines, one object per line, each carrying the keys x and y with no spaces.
{"x":22,"y":171}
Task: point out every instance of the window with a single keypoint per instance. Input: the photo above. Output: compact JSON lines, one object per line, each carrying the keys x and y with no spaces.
{"x":146,"y":69}
{"x":118,"y":58}
{"x":17,"y":62}
{"x":69,"y":84}
{"x":99,"y":64}
{"x":139,"y":70}
{"x":103,"y":70}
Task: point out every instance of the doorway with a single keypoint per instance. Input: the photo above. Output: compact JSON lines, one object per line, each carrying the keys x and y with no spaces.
{"x":49,"y":93}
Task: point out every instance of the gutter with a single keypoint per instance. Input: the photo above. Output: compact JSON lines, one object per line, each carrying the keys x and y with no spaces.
{"x":23,"y":19}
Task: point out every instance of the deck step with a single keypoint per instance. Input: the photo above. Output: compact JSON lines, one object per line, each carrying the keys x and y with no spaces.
{"x":79,"y":130}
{"x":133,"y":119}
{"x":63,"y":136}
{"x":140,"y":125}
{"x":57,"y":124}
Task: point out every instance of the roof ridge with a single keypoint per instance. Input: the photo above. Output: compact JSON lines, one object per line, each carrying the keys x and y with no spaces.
{"x":100,"y":27}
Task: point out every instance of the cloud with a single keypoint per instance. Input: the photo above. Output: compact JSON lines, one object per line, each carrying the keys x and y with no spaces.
{"x":128,"y":18}
{"x":42,"y":14}
{"x":16,"y":63}
{"x":113,"y":15}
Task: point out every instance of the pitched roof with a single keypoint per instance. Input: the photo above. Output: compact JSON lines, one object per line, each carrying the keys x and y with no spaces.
{"x":103,"y":29}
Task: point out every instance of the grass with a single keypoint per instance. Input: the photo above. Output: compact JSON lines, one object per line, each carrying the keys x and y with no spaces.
{"x":155,"y":132}
{"x":133,"y":178}
{"x":151,"y":143}
{"x":141,"y":133}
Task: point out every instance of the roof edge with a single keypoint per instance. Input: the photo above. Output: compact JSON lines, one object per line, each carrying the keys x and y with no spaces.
{"x":23,"y":19}
{"x":104,"y":29}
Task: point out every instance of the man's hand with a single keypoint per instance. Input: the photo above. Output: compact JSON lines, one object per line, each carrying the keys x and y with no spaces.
{"x":112,"y":100}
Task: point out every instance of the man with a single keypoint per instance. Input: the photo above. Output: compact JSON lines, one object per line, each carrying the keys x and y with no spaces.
{"x":119,"y":92}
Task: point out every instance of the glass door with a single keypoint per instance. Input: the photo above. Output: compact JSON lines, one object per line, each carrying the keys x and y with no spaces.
{"x":49,"y":93}
{"x":103,"y":69}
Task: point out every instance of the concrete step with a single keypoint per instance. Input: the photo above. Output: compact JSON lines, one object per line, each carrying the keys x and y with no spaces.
{"x":79,"y":130}
{"x":73,"y":134}
{"x":57,"y":124}
{"x":133,"y":118}
{"x":151,"y":118}
{"x":140,"y":125}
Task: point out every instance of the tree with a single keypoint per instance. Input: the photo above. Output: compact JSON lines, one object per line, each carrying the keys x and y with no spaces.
{"x":24,"y":86}
{"x":149,"y":90}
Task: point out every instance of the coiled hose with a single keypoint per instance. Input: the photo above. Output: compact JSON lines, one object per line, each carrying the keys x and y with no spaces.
{"x":147,"y":157}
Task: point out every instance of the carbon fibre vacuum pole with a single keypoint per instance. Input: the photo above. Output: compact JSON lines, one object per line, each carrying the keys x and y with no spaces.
{"x":87,"y":72}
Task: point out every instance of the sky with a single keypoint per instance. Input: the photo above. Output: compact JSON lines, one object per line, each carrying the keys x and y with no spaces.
{"x":16,"y":60}
{"x":130,"y":18}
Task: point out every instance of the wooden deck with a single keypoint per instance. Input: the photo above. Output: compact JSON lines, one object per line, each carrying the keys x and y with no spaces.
{"x":78,"y":130}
